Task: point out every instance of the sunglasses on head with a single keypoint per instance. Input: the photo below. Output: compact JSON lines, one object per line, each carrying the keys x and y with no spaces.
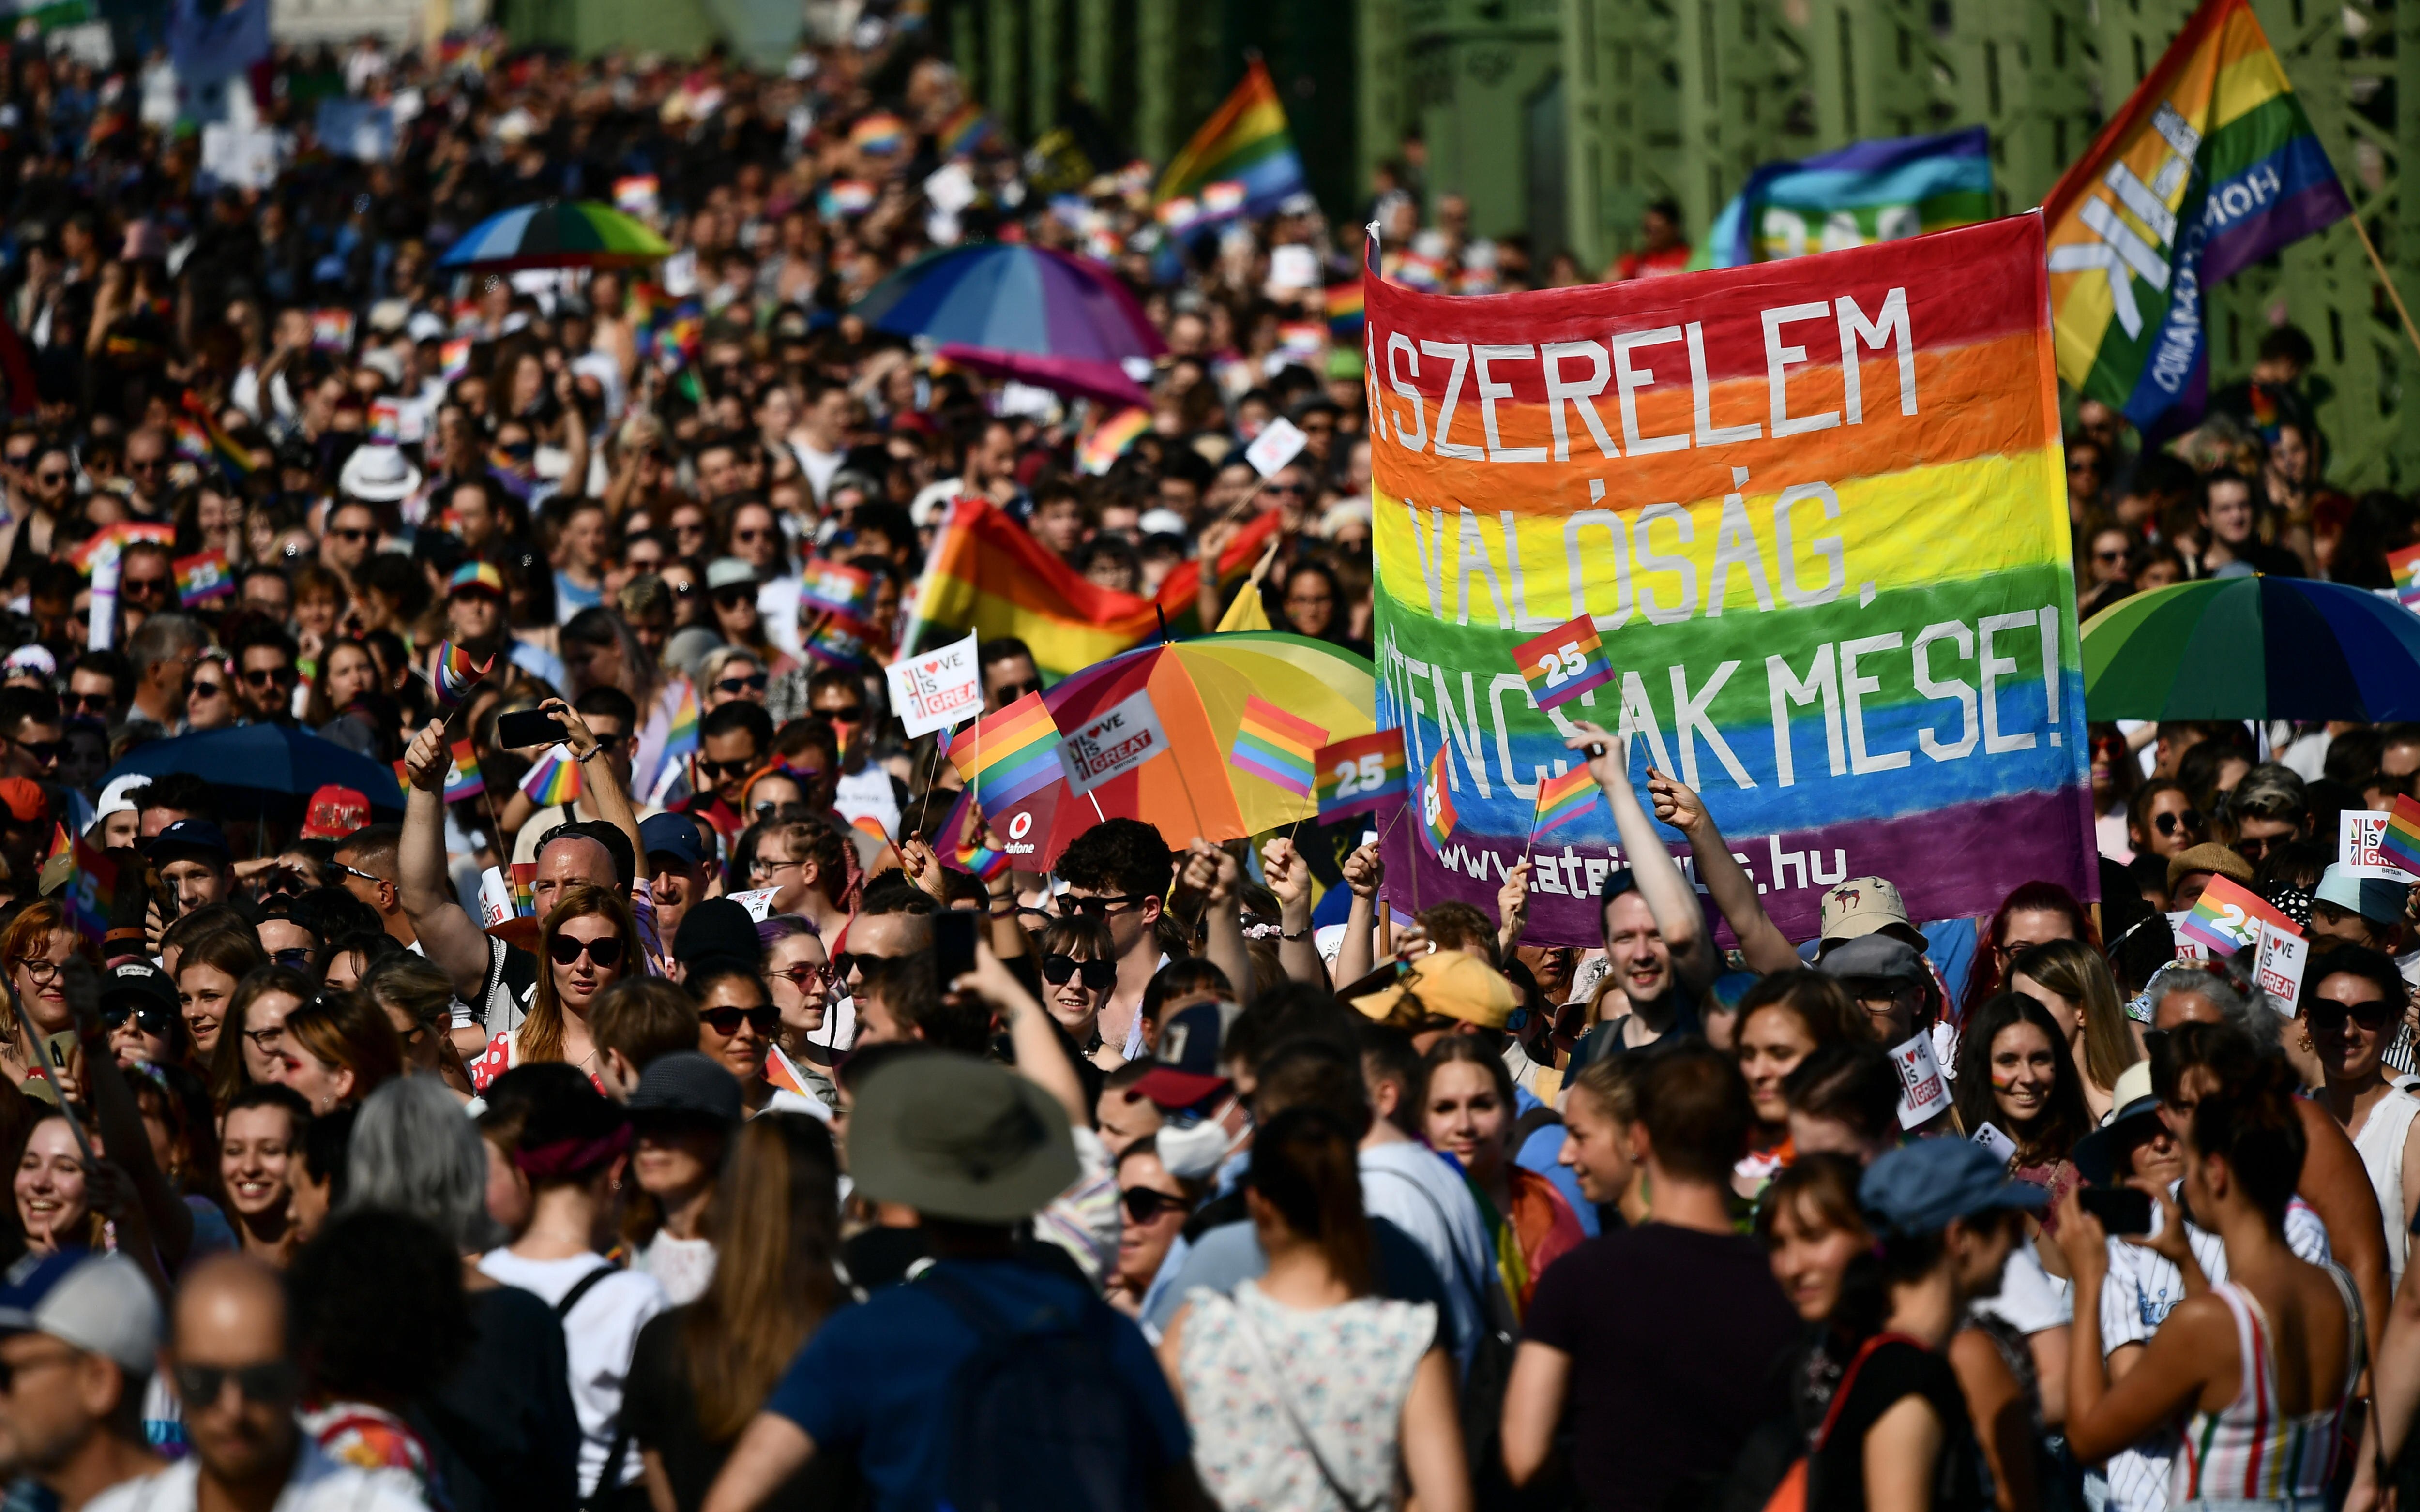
{"x":2326,"y":1013}
{"x":605,"y":950}
{"x":2167,"y":823}
{"x":1099,"y":976}
{"x":1143,"y":1204}
{"x":293,"y":955}
{"x":726,"y":1021}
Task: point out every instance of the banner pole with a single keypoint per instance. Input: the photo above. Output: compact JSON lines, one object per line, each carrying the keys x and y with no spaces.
{"x":2384,"y":277}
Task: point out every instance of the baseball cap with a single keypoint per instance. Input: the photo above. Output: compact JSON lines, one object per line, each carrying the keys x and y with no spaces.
{"x":1451,"y":984}
{"x":476,"y":578}
{"x":1861,"y":905}
{"x":189,"y":837}
{"x":2379,"y":899}
{"x":1188,"y":1069}
{"x":674,"y":835}
{"x":2133,"y":1100}
{"x":22,"y":797}
{"x":119,"y":796}
{"x":2211,"y":858}
{"x":98,"y":1303}
{"x":1874,"y":957}
{"x":1918,"y":1188}
{"x":335,"y":812}
{"x":138,"y":984}
{"x":686,"y":1086}
{"x":728,"y":572}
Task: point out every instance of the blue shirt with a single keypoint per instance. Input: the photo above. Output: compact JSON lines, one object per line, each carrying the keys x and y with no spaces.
{"x":876,"y":1377}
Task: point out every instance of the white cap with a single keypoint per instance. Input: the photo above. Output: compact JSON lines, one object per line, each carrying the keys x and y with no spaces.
{"x":114,"y":799}
{"x":1161,"y":522}
{"x":101,"y":1304}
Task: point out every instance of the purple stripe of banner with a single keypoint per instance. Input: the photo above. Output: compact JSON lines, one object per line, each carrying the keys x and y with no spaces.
{"x":2297,"y":216}
{"x":1952,"y":863}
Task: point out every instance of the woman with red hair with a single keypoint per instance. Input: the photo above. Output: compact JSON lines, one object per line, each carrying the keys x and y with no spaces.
{"x":2035,"y":914}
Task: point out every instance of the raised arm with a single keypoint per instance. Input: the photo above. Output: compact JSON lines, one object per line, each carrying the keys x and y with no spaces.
{"x":1734,"y":891}
{"x":1357,"y":957}
{"x":1661,"y":885}
{"x":448,"y":936}
{"x":1289,"y":876}
{"x":1214,"y":875}
{"x":597,"y":774}
{"x":1040,"y":1057}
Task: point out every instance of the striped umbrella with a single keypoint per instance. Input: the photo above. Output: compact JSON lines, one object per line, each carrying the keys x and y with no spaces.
{"x":1027,"y":313}
{"x":2252,"y":648}
{"x":554,"y":233}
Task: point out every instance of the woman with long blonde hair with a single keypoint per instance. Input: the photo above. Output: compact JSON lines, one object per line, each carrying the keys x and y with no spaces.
{"x":2072,"y":980}
{"x":587,"y":944}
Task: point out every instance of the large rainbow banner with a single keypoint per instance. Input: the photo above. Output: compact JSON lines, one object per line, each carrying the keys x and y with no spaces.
{"x":1817,"y":512}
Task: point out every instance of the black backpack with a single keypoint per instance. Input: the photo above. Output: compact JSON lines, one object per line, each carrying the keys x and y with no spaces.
{"x":1037,"y":1416}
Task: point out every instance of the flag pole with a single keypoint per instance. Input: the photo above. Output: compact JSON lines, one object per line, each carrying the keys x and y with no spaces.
{"x":2384,"y":277}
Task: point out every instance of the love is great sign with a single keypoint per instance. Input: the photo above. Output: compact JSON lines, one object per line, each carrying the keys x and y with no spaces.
{"x":1817,"y":516}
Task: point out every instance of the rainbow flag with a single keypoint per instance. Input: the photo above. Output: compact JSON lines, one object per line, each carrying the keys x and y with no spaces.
{"x":1345,"y":311}
{"x":1865,"y":193}
{"x":1361,"y":774}
{"x":2226,"y":916}
{"x":202,"y":578}
{"x":1017,"y":748}
{"x":454,"y":674}
{"x":454,"y":358}
{"x":833,"y":639}
{"x":91,"y":888}
{"x":2405,"y":565}
{"x":2401,"y":843}
{"x":981,"y":860}
{"x":681,"y":738}
{"x":1563,"y":799}
{"x":60,"y":843}
{"x":332,"y":331}
{"x":1246,"y":143}
{"x":555,"y":779}
{"x":193,"y":443}
{"x":988,"y":575}
{"x":785,"y":1074}
{"x":1437,"y":817}
{"x":1564,"y":663}
{"x":1109,"y":439}
{"x":838,"y":587}
{"x":1278,"y":747}
{"x":223,"y":448}
{"x":2210,"y":167}
{"x":878,"y":132}
{"x":964,"y":134}
{"x":845,"y":196}
{"x":464,"y":781}
{"x":114,"y":540}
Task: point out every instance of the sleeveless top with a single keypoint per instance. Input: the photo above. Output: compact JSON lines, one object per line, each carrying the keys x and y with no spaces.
{"x":2380,"y":1145}
{"x":2248,"y":1450}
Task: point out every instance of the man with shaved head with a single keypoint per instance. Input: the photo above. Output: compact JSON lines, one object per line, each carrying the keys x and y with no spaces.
{"x":233,"y":1364}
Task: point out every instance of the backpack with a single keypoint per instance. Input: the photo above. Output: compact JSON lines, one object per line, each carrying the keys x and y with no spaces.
{"x":1037,"y":1418}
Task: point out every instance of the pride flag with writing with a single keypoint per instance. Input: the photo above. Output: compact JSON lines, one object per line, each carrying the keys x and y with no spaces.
{"x":1245,"y":144}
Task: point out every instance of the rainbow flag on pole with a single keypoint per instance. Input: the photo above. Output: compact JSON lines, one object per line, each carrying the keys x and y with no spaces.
{"x":454,"y":674}
{"x":201,"y":577}
{"x":1563,"y":799}
{"x":2228,"y":915}
{"x":555,"y":779}
{"x":2401,"y":842}
{"x":1360,"y":775}
{"x":981,"y":860}
{"x":2405,"y":565}
{"x":464,"y":781}
{"x":1564,"y":663}
{"x":2210,"y":167}
{"x":1277,"y":748}
{"x":223,"y":448}
{"x":1437,"y":817}
{"x":1109,"y":439}
{"x":1867,"y":191}
{"x":90,"y":890}
{"x":1246,"y":143}
{"x":1007,"y":755}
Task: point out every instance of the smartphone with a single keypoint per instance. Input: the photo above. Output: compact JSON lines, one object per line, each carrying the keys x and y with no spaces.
{"x":954,"y":942}
{"x":525,"y":728}
{"x":2122,"y":1209}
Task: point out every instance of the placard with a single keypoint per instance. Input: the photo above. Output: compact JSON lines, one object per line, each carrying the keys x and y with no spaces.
{"x":1280,"y":442}
{"x":937,"y":688}
{"x":1124,"y":736}
{"x":1924,"y":1092}
{"x":757,"y":901}
{"x":2358,"y":832}
{"x":2280,"y":965}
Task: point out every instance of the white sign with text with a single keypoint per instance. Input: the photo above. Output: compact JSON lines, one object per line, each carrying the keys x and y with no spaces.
{"x":2279,"y":974}
{"x":2358,"y":832}
{"x":1923,"y":1091}
{"x":1119,"y":739}
{"x":937,"y":688}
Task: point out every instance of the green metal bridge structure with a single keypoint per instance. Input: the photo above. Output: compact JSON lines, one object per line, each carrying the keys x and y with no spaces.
{"x":1562,"y":119}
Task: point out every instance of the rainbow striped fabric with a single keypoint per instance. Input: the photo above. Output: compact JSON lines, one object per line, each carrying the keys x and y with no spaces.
{"x":113,"y":540}
{"x":1244,"y":143}
{"x":1363,"y":773}
{"x":223,"y":448}
{"x":1841,"y":591}
{"x":2401,"y":842}
{"x":878,"y":132}
{"x":1865,"y":193}
{"x":1109,"y":439}
{"x":981,"y":860}
{"x":681,"y":736}
{"x":90,"y":890}
{"x":1277,"y":748}
{"x":1344,"y":310}
{"x":202,"y":577}
{"x":1009,"y":754}
{"x":1563,"y":799}
{"x":2228,"y":916}
{"x":453,"y":674}
{"x":463,"y":781}
{"x":2210,"y":167}
{"x":1438,"y":816}
{"x":964,"y":134}
{"x":2405,"y":565}
{"x":988,"y":575}
{"x":555,"y":779}
{"x":1564,"y":663}
{"x":784,"y":1074}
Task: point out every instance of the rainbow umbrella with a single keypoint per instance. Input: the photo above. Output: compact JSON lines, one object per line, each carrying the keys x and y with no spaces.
{"x":1026,"y":313}
{"x":2252,"y":648}
{"x":554,"y":233}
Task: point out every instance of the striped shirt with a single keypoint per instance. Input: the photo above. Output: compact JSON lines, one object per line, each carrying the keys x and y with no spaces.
{"x":2249,"y":1450}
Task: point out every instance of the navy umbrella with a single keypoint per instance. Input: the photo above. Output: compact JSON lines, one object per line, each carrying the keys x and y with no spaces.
{"x":257,"y":760}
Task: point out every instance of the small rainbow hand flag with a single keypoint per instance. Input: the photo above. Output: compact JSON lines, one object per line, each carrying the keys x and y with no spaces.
{"x":878,"y":132}
{"x":1277,"y":748}
{"x":681,"y":737}
{"x":967,"y":129}
{"x":202,"y":578}
{"x":1361,"y":774}
{"x":785,"y":1074}
{"x":1436,"y":804}
{"x":229,"y":451}
{"x":60,"y":843}
{"x":2405,"y":565}
{"x":1563,"y":799}
{"x":2229,"y":915}
{"x":1009,"y":755}
{"x":1564,"y":663}
{"x":91,"y":888}
{"x":980,"y":860}
{"x":1344,"y":310}
{"x":554,"y":779}
{"x":2401,"y":842}
{"x":456,"y":675}
{"x":1109,"y":440}
{"x":464,"y":781}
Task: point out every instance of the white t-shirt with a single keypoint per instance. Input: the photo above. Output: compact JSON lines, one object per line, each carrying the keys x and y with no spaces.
{"x":681,"y":1266}
{"x":819,"y":466}
{"x":599,"y":1338}
{"x":2030,"y":1300}
{"x":319,"y":1484}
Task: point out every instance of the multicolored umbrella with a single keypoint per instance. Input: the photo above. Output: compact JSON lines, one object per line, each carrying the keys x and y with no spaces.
{"x":554,"y":233}
{"x":1027,"y":313}
{"x":2252,"y":648}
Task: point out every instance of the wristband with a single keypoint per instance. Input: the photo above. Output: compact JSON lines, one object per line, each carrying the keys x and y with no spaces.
{"x":1296,"y":938}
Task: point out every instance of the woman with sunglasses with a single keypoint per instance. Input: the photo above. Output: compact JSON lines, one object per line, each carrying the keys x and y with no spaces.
{"x":798,"y":974}
{"x":737,"y":1023}
{"x":2034,"y":913}
{"x":587,"y":943}
{"x":2115,"y":775}
{"x":338,"y":1049}
{"x":209,"y":699}
{"x":36,"y":947}
{"x":1079,"y":970}
{"x":730,"y":673}
{"x":2352,"y":1003}
{"x":1155,"y":1207}
{"x":251,"y":1041}
{"x":2161,"y":819}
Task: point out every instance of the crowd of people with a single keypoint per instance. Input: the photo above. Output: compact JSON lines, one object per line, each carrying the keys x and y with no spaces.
{"x":760,"y":1153}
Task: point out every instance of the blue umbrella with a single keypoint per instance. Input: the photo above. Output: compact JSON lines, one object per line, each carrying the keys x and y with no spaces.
{"x":260,"y":758}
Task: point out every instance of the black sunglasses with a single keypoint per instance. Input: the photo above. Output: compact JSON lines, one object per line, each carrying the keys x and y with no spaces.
{"x":1099,"y":976}
{"x":151,"y":1021}
{"x":1142,"y":1204}
{"x":2328,"y":1014}
{"x":270,"y":1383}
{"x":849,"y":964}
{"x":2167,"y":823}
{"x":1009,"y":693}
{"x":723,"y":769}
{"x":87,"y":702}
{"x":268,"y":676}
{"x":605,"y":950}
{"x":742,"y":684}
{"x":726,"y":1021}
{"x":845,"y":713}
{"x":1102,"y":908}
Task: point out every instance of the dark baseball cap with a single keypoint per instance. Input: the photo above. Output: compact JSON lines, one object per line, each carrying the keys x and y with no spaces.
{"x":674,"y":835}
{"x":138,"y":984}
{"x":1188,"y":1068}
{"x":189,"y":838}
{"x":686,"y":1086}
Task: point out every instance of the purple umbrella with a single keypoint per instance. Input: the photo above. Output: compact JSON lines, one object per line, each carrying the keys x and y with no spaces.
{"x":1027,"y":313}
